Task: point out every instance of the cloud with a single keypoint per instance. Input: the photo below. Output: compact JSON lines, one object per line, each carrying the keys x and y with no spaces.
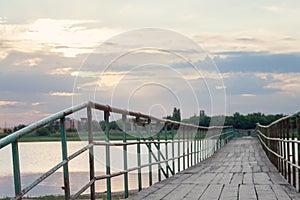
{"x":258,"y":40}
{"x":248,"y":95}
{"x":239,"y":83}
{"x":61,"y":71}
{"x":287,"y":83}
{"x":67,"y":37}
{"x":258,"y":62}
{"x":29,"y":62}
{"x":8,"y":103}
{"x":36,"y":103}
{"x":274,"y":9}
{"x":61,"y":94}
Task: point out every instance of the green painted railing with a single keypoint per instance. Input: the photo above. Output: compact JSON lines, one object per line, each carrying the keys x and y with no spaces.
{"x":194,"y":144}
{"x":281,"y":142}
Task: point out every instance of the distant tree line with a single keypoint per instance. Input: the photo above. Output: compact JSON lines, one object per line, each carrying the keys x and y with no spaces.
{"x":237,"y":120}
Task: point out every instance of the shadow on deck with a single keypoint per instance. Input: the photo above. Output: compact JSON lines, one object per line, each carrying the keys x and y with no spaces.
{"x":240,"y":170}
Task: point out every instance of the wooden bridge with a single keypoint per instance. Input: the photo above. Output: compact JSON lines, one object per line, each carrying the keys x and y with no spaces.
{"x":240,"y":170}
{"x":197,"y":162}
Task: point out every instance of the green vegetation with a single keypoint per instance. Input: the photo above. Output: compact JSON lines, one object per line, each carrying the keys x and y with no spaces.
{"x":51,"y":132}
{"x":237,"y":120}
{"x":115,"y":195}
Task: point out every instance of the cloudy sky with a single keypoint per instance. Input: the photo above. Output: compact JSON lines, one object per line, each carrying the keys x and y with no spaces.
{"x":54,"y":54}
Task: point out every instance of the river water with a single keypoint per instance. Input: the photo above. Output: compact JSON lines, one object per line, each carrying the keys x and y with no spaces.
{"x":38,"y":157}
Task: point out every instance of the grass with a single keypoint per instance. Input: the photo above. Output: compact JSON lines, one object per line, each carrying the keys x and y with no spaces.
{"x":115,"y":195}
{"x":116,"y":135}
{"x":83,"y":136}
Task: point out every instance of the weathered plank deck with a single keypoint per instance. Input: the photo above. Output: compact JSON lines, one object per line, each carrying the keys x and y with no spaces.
{"x":240,"y":170}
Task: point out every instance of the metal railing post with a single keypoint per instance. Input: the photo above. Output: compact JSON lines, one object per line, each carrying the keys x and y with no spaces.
{"x":283,"y":129}
{"x":126,"y":194}
{"x":188,"y":148}
{"x":173,"y":153}
{"x":200,"y":146}
{"x":139,"y":159}
{"x":298,"y":149}
{"x":158,"y":155}
{"x":91,"y":151}
{"x":292,"y":123}
{"x":166,"y":150}
{"x":183,"y":148}
{"x":107,"y":156}
{"x":268,"y":143}
{"x":195,"y":149}
{"x":16,"y":165}
{"x":288,"y":150}
{"x":149,"y":155}
{"x":64,"y":157}
{"x":178,"y":150}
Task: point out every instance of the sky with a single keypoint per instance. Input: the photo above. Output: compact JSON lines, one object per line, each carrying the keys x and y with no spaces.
{"x":222,"y":56}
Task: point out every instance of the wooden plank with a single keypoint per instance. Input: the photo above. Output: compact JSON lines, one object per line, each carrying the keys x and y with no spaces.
{"x":180,"y":192}
{"x":162,"y":192}
{"x":226,"y":178}
{"x":265,"y":192}
{"x":247,"y":192}
{"x":196,"y":192}
{"x":217,"y":178}
{"x":280,"y":193}
{"x":248,"y":178}
{"x":236,"y":168}
{"x":277,"y":179}
{"x":261,"y":178}
{"x":203,"y":179}
{"x":212,"y":192}
{"x":229,"y":192}
{"x":237,"y":178}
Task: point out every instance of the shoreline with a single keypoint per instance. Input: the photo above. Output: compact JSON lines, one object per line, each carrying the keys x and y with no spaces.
{"x":99,"y":195}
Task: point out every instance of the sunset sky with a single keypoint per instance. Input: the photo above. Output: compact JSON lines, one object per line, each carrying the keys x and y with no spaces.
{"x":44,"y":44}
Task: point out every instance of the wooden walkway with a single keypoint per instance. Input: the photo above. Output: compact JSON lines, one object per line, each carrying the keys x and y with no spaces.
{"x":240,"y":170}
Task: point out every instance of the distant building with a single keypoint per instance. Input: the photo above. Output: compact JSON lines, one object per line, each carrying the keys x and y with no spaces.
{"x":202,"y":113}
{"x":71,"y":123}
{"x":83,"y":120}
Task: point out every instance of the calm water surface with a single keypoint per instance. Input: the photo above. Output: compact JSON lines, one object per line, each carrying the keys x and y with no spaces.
{"x":38,"y":157}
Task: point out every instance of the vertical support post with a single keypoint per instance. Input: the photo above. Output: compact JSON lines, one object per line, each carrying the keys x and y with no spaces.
{"x":292,"y":123}
{"x":16,"y":164}
{"x":200,"y":145}
{"x":64,"y":149}
{"x":107,"y":156}
{"x":178,"y":162}
{"x":91,"y":150}
{"x":268,"y":143}
{"x":278,"y":147}
{"x":205,"y":147}
{"x":173,"y":153}
{"x":195,"y":149}
{"x":149,"y":155}
{"x":166,"y":150}
{"x":158,"y":155}
{"x":183,"y":151}
{"x":288,"y":149}
{"x":197,"y":144}
{"x":220,"y":141}
{"x":188,"y":147}
{"x":226,"y":136}
{"x":139,"y":159}
{"x":283,"y":129}
{"x":126,"y":194}
{"x":281,"y":147}
{"x":298,"y":137}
